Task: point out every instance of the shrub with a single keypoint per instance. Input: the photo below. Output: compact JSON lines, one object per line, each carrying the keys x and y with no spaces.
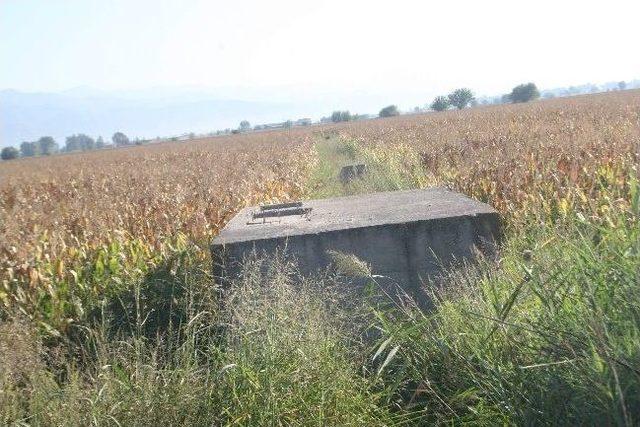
{"x":341,"y":116}
{"x":9,"y":153}
{"x":440,"y":103}
{"x":29,"y":149}
{"x":80,"y":142}
{"x":47,"y":145}
{"x":523,"y":93}
{"x":389,"y":111}
{"x":120,"y":139}
{"x":460,"y":98}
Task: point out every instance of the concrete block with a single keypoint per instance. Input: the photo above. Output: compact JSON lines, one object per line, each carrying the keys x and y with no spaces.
{"x":409,"y":236}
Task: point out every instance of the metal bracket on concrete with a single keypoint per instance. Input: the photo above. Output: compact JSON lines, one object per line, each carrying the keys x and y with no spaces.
{"x":278,"y":210}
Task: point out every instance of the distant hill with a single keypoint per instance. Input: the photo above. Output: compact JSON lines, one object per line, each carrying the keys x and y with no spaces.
{"x":582,"y":89}
{"x":144,"y":114}
{"x":177,"y":110}
{"x":588,"y":88}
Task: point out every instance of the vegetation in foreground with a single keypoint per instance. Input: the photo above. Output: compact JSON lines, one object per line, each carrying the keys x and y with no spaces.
{"x":550,"y":335}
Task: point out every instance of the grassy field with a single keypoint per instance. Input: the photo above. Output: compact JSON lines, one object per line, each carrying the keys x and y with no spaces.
{"x":110,"y":317}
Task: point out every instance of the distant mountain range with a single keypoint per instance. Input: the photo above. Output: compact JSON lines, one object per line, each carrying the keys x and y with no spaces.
{"x":139,"y":114}
{"x":173,"y":111}
{"x":589,"y":88}
{"x":582,"y":89}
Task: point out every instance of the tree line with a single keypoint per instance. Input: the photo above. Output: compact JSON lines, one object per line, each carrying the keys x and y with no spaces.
{"x":461,"y":98}
{"x":46,"y":145}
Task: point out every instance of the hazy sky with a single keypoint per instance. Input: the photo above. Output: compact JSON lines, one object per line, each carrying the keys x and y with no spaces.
{"x":394,"y":45}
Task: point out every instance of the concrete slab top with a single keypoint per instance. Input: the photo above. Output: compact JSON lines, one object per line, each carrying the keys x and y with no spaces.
{"x":340,"y":213}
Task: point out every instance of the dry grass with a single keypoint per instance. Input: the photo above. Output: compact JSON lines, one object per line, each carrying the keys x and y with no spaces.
{"x":149,"y":192}
{"x":117,"y":211}
{"x":542,"y":158}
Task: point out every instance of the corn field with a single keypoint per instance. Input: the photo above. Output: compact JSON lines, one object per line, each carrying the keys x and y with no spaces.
{"x":103,"y":214}
{"x":538,"y":159}
{"x":107,"y":315}
{"x":64,"y":215}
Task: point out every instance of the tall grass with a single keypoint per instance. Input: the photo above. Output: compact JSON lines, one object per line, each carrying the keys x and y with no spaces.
{"x":280,"y":351}
{"x":550,"y":335}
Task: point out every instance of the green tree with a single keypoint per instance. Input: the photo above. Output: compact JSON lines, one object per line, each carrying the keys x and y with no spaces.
{"x":71,"y":144}
{"x":9,"y":153}
{"x":86,"y":142}
{"x":29,"y":149}
{"x":460,"y":98}
{"x":100,"y":142}
{"x":622,"y":85}
{"x":523,"y":93}
{"x":79,"y":142}
{"x":341,"y":116}
{"x":245,"y":125}
{"x":440,"y":103}
{"x":389,"y":111}
{"x":119,"y":139}
{"x":47,"y":146}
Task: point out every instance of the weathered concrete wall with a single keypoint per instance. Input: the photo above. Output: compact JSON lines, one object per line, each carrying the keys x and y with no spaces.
{"x":411,"y":250}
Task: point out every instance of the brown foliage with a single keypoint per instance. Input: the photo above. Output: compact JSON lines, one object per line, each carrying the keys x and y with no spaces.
{"x":52,"y":208}
{"x":523,"y":156}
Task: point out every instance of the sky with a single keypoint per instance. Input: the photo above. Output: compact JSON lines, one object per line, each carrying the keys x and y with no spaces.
{"x":338,"y":46}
